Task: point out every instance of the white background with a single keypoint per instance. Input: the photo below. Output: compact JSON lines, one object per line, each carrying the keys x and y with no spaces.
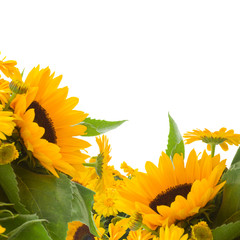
{"x":136,"y":60}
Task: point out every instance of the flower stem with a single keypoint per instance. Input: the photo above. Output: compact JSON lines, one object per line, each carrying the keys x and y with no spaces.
{"x":89,"y":164}
{"x":9,"y":101}
{"x":213,"y":149}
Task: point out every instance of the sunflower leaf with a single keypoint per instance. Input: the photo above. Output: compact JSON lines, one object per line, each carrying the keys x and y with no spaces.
{"x":96,"y":127}
{"x":24,"y":227}
{"x":49,"y":197}
{"x":9,"y":184}
{"x":227,"y":231}
{"x":82,"y":206}
{"x":236,"y":158}
{"x":231,"y":195}
{"x":175,"y":140}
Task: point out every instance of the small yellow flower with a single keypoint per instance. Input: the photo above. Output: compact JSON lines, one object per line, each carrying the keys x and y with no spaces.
{"x":135,"y":221}
{"x":9,"y":68}
{"x":221,"y":137}
{"x":116,"y":231}
{"x":139,"y":235}
{"x":105,"y":202}
{"x":2,"y":229}
{"x":201,"y":231}
{"x":128,"y":170}
{"x":105,"y":173}
{"x":8,"y":153}
{"x":4,"y":92}
{"x":6,"y":123}
{"x":18,"y":86}
{"x":171,"y":233}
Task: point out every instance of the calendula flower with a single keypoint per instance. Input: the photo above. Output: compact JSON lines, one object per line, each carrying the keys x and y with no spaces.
{"x":4,"y":92}
{"x":171,"y":233}
{"x":128,"y":170}
{"x":8,"y":153}
{"x":18,"y":86}
{"x":105,"y":173}
{"x":80,"y":231}
{"x":172,"y":192}
{"x":139,"y":235}
{"x":48,"y":123}
{"x":6,"y":123}
{"x":221,"y":137}
{"x":105,"y":202}
{"x":201,"y":231}
{"x":9,"y":68}
{"x":2,"y":229}
{"x":116,"y":231}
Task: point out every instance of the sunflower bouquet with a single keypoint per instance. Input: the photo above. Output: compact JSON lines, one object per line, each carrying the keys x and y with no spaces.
{"x":51,"y":189}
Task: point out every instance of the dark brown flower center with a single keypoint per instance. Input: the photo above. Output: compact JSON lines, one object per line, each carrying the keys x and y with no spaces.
{"x":83,"y":233}
{"x":168,"y":196}
{"x":43,"y":120}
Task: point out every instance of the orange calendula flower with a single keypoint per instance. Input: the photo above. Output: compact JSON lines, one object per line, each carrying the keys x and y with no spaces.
{"x":201,"y":231}
{"x":2,"y":229}
{"x":105,"y":202}
{"x":171,"y":233}
{"x":221,"y":137}
{"x":6,"y":123}
{"x":100,"y":163}
{"x":9,"y":68}
{"x":128,"y":170}
{"x":171,"y":191}
{"x":116,"y":231}
{"x":139,"y":235}
{"x":48,"y":124}
{"x":4,"y":92}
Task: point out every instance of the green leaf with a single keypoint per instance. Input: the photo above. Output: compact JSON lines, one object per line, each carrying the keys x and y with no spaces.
{"x":175,"y":140}
{"x":49,"y":197}
{"x":24,"y":227}
{"x":231,"y":195}
{"x":96,"y":127}
{"x":82,"y":206}
{"x":227,"y":231}
{"x":9,"y":184}
{"x":236,"y":158}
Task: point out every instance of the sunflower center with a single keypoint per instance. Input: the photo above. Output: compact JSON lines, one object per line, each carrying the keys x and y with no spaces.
{"x":168,"y":196}
{"x":43,"y":120}
{"x":83,"y":233}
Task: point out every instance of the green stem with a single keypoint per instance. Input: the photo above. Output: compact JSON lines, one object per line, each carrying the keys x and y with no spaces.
{"x":213,"y":149}
{"x":89,"y":164}
{"x":9,"y":101}
{"x":149,"y":229}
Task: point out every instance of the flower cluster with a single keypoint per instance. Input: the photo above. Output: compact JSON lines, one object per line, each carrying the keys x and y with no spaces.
{"x":51,"y":189}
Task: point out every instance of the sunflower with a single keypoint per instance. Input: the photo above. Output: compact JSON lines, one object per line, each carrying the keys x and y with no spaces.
{"x":6,"y":123}
{"x":172,"y":192}
{"x":48,"y":123}
{"x":139,"y":235}
{"x":80,"y":231}
{"x":221,"y":137}
{"x":171,"y":233}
